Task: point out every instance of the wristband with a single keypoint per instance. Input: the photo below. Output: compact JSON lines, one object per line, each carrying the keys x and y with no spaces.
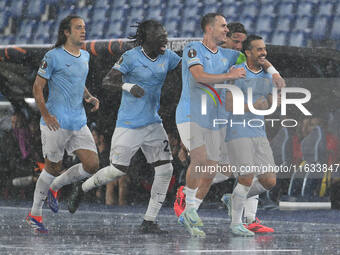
{"x":271,"y":70}
{"x":127,"y":86}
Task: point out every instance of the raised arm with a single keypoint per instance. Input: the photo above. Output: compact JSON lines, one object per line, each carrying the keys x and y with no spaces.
{"x":113,"y":80}
{"x":277,"y":79}
{"x":200,"y":76}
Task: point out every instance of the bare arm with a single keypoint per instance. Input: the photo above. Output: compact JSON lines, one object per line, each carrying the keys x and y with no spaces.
{"x":266,"y":64}
{"x":91,"y":99}
{"x":113,"y":80}
{"x":200,"y":76}
{"x":228,"y":102}
{"x":38,"y":93}
{"x":277,"y":79}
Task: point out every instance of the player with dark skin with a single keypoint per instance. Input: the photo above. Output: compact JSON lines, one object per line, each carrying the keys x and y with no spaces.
{"x":138,"y":124}
{"x":154,"y":45}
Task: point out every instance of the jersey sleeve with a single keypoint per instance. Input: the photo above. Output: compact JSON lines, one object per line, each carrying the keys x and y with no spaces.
{"x":88,"y":56}
{"x":46,"y":66}
{"x":192,"y":56}
{"x":241,"y":59}
{"x":235,"y":55}
{"x":124,"y":64}
{"x":174,"y":59}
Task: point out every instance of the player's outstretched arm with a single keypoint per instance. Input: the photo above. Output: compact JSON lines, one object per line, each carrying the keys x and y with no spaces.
{"x":200,"y":76}
{"x":113,"y":80}
{"x":38,"y":93}
{"x":277,"y":79}
{"x":91,"y":100}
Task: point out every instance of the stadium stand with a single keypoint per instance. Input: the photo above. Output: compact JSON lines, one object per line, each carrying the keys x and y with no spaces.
{"x":287,"y":22}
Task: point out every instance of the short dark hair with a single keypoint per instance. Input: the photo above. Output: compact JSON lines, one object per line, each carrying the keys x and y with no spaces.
{"x":209,"y":19}
{"x":246,"y":45}
{"x":236,"y":27}
{"x":65,"y":24}
{"x":140,"y":36}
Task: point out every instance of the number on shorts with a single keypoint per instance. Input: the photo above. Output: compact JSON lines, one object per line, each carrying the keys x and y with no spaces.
{"x":166,"y":148}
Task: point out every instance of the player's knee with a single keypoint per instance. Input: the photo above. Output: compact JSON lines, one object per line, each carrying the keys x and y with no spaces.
{"x":269,"y":183}
{"x":53,"y":168}
{"x":198,"y":158}
{"x":91,"y":166}
{"x":246,"y":180}
{"x":164,"y":169}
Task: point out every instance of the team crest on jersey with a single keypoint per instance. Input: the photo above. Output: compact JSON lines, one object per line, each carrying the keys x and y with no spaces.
{"x":224,"y":60}
{"x":43,"y":64}
{"x":192,"y":53}
{"x":161,"y":66}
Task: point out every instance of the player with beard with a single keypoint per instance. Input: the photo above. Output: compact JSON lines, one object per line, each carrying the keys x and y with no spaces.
{"x":235,"y":37}
{"x":247,"y":145}
{"x":140,"y":73}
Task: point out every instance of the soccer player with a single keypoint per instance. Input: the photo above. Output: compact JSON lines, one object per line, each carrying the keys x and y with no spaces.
{"x":248,"y":145}
{"x":63,"y":119}
{"x":140,"y":73}
{"x":235,"y":37}
{"x":204,"y":63}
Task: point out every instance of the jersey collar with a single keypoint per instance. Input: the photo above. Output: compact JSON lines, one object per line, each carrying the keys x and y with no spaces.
{"x":252,"y":70}
{"x":146,"y":55}
{"x":209,"y":48}
{"x":76,"y":56}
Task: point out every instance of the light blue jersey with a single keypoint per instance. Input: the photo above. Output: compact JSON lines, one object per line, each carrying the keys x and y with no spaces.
{"x":189,"y":108}
{"x":66,"y":75}
{"x":149,"y":74}
{"x":262,"y":85}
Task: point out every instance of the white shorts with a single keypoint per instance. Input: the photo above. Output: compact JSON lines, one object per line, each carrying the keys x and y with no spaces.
{"x":152,"y":139}
{"x":251,"y":155}
{"x":54,"y":143}
{"x":194,"y":136}
{"x":224,"y":155}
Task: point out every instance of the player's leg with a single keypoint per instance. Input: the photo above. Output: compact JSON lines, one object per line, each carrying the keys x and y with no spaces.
{"x":239,"y":195}
{"x":265,"y":180}
{"x":124,"y":144}
{"x":89,"y":165}
{"x":81,"y":143}
{"x":193,"y":138}
{"x":261,"y":183}
{"x":157,"y":151}
{"x":252,"y":223}
{"x":123,"y":188}
{"x":250,"y":209}
{"x":217,"y":157}
{"x":53,"y":144}
{"x":225,"y":172}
